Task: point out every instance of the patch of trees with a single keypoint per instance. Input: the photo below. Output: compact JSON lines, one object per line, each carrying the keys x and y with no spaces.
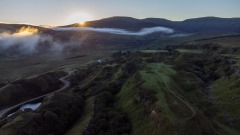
{"x":117,"y":55}
{"x":79,"y":76}
{"x":107,"y":120}
{"x":60,"y":111}
{"x":102,"y":81}
{"x":54,"y":116}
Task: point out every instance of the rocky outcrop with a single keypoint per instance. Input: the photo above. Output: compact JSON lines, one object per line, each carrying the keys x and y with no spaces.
{"x":230,"y":61}
{"x":235,"y":70}
{"x":130,"y":68}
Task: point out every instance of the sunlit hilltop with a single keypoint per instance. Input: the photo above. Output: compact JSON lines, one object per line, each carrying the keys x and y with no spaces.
{"x":26,"y":31}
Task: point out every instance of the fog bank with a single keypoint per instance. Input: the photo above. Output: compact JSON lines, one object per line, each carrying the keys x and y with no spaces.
{"x":143,"y":32}
{"x":27,"y":42}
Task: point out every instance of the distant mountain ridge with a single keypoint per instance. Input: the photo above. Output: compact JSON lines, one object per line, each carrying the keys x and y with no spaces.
{"x":203,"y":24}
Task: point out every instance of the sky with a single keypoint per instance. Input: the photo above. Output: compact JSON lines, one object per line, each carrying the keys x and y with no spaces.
{"x":62,"y":12}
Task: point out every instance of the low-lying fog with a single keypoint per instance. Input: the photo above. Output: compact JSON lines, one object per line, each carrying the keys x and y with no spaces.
{"x":143,"y":32}
{"x":27,"y":40}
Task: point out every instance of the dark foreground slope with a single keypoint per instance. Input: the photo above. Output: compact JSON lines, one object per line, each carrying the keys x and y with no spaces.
{"x":190,"y":89}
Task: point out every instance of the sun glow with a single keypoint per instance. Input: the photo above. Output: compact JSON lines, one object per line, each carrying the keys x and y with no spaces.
{"x":80,"y":18}
{"x":81,"y":23}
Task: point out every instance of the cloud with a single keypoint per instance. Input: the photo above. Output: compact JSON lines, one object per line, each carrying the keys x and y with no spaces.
{"x":27,"y":40}
{"x":144,"y":31}
{"x":25,"y":44}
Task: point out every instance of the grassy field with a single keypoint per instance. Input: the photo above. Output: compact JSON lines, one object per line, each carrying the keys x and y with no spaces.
{"x":140,"y":119}
{"x":154,"y":51}
{"x":189,"y":51}
{"x":158,"y":77}
{"x":167,"y":109}
{"x":227,"y":41}
{"x":12,"y":69}
{"x":225,"y":94}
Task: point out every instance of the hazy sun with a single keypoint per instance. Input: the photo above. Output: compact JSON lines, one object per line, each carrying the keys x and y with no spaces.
{"x":80,"y":18}
{"x":81,"y":23}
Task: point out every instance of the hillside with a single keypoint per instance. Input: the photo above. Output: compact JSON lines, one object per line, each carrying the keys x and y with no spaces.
{"x":180,"y":89}
{"x":90,"y":82}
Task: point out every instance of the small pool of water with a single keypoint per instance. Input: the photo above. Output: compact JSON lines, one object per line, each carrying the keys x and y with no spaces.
{"x":30,"y":106}
{"x":27,"y":106}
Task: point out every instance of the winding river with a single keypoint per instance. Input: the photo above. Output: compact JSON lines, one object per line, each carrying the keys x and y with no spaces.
{"x":25,"y":104}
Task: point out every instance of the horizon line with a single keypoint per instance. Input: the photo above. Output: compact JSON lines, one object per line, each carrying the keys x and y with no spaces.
{"x":21,"y":23}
